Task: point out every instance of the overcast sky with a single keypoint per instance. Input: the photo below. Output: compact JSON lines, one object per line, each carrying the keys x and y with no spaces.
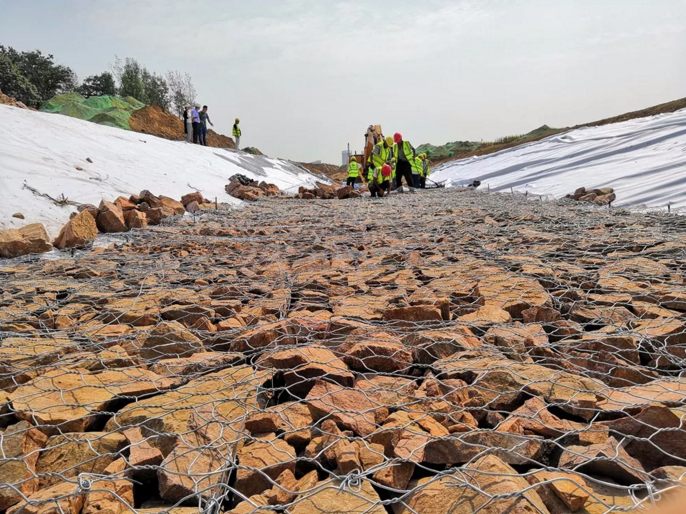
{"x":307,"y":77}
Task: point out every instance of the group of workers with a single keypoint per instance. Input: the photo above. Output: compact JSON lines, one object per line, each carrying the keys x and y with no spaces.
{"x":195,"y":122}
{"x":391,"y":159}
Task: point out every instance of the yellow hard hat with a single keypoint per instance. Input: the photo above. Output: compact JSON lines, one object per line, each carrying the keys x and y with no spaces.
{"x":352,"y":158}
{"x":238,"y":120}
{"x":389,"y":141}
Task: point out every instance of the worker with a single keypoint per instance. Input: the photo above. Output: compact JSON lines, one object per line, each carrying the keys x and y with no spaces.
{"x":381,"y":154}
{"x":353,"y":172}
{"x":380,"y":183}
{"x":237,"y":133}
{"x":417,"y":170}
{"x":394,"y":165}
{"x":426,"y":170}
{"x":405,"y":153}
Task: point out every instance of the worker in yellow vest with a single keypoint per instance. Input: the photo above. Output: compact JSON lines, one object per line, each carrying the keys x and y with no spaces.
{"x":353,"y":172}
{"x":417,"y":171}
{"x":381,"y":154}
{"x":380,"y":183}
{"x":237,"y":133}
{"x":426,"y":171}
{"x":405,"y":153}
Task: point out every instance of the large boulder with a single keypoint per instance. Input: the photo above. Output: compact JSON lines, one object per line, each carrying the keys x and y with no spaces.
{"x":170,"y":339}
{"x":111,"y":218}
{"x":78,"y":232}
{"x":26,"y":240}
{"x":19,"y":444}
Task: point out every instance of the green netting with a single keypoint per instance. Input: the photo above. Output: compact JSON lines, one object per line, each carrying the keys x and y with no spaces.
{"x":113,"y":118}
{"x":104,"y":110}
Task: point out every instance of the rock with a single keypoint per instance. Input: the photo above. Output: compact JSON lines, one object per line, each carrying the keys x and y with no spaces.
{"x":487,"y":478}
{"x":109,"y":497}
{"x":149,"y":198}
{"x":20,"y":444}
{"x":170,"y":339}
{"x":63,"y":498}
{"x":486,"y":316}
{"x":606,"y":459}
{"x":510,"y":448}
{"x":172,"y":204}
{"x":78,"y":232}
{"x":379,"y":352}
{"x":135,"y":219}
{"x":512,"y":293}
{"x":156,"y":215}
{"x":571,"y":489}
{"x":270,"y":456}
{"x":670,"y":473}
{"x":541,"y":315}
{"x":71,"y":400}
{"x":18,"y":215}
{"x":519,"y":341}
{"x":90,"y":208}
{"x":295,"y":420}
{"x":330,"y":497}
{"x":111,"y":218}
{"x":303,"y":365}
{"x":124,"y":204}
{"x":344,"y":192}
{"x":24,"y":241}
{"x":192,"y":197}
{"x":198,"y":363}
{"x":418,"y":314}
{"x":67,"y":455}
{"x":395,"y":475}
{"x":534,"y":417}
{"x":193,"y":207}
{"x":349,"y":408}
{"x":188,"y":472}
{"x":429,"y":346}
{"x":141,"y":452}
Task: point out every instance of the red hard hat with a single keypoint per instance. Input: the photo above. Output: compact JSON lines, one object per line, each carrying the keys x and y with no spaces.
{"x":386,"y":171}
{"x":397,"y":138}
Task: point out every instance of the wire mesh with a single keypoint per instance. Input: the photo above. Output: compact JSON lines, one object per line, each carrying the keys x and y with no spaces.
{"x":440,"y":352}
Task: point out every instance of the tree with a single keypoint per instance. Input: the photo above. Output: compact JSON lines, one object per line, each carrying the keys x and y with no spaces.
{"x":42,"y":73}
{"x":136,"y":81}
{"x":13,"y":83}
{"x":98,"y":85}
{"x":181,"y":91}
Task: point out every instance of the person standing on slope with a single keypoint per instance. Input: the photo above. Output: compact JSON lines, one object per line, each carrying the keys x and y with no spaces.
{"x":237,"y":133}
{"x":381,"y":154}
{"x":204,"y":120}
{"x":195,"y":122}
{"x":417,"y":171}
{"x":405,"y":153}
{"x":353,"y":172}
{"x":187,"y":123}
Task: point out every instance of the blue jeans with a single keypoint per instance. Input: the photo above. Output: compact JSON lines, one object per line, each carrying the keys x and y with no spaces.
{"x":203,"y":134}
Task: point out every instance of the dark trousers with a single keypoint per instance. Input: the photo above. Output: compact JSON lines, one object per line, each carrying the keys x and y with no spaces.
{"x":415,"y":179}
{"x":378,"y":189}
{"x":422,"y":182}
{"x":203,"y":134}
{"x":351,"y":181}
{"x":196,"y":132}
{"x":403,"y":169}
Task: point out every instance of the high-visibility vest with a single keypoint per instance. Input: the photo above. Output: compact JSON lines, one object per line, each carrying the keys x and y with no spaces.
{"x":416,"y":165}
{"x":426,"y":168}
{"x":353,"y":170}
{"x":407,"y":150}
{"x":236,"y":131}
{"x":384,"y":155}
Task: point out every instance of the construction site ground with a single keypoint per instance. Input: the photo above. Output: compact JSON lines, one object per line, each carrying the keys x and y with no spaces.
{"x":446,"y":351}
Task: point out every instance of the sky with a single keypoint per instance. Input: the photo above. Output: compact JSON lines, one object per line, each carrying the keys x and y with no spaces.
{"x":307,"y":77}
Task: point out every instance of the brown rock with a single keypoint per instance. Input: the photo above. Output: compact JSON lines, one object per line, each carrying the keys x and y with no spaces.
{"x":349,"y":408}
{"x":135,"y":219}
{"x":193,"y":207}
{"x":607,"y":459}
{"x":19,"y":444}
{"x":413,"y":315}
{"x":486,"y":316}
{"x":190,"y":472}
{"x":90,"y":208}
{"x":24,"y":241}
{"x":111,"y":218}
{"x":109,"y":497}
{"x":170,"y":339}
{"x":172,"y":204}
{"x":494,"y":488}
{"x":571,"y":489}
{"x":62,"y":498}
{"x":344,"y":192}
{"x":155,"y":215}
{"x":78,"y":232}
{"x":330,"y":497}
{"x":396,"y":475}
{"x":149,"y":198}
{"x":18,"y":215}
{"x":192,"y":197}
{"x":541,"y":315}
{"x":271,"y":456}
{"x":124,"y":204}
{"x":379,"y":355}
{"x":68,"y":455}
{"x":429,"y":346}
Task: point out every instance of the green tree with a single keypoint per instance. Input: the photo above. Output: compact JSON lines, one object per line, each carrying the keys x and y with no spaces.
{"x":13,"y":83}
{"x":156,"y":90}
{"x":181,"y":91}
{"x":98,"y":85}
{"x":42,"y":73}
{"x":135,"y":80}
